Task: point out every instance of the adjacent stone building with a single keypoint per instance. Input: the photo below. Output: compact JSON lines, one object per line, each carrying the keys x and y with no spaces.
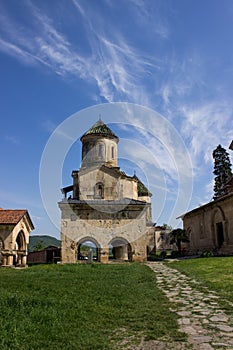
{"x":15,"y":226}
{"x":104,"y":205}
{"x":210,"y":227}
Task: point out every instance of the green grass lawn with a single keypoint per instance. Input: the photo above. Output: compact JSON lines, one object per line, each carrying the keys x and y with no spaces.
{"x":215,"y":273}
{"x":82,"y":307}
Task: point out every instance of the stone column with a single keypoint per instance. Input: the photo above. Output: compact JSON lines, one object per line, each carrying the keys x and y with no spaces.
{"x":19,"y":260}
{"x":24,"y":261}
{"x":4,"y":262}
{"x":125,"y":252}
{"x":10,"y":260}
{"x":104,"y":255}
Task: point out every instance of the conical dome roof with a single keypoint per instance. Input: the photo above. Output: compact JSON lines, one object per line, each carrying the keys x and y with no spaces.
{"x":101,"y":129}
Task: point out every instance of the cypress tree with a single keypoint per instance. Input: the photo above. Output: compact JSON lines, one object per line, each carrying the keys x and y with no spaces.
{"x":222,"y":171}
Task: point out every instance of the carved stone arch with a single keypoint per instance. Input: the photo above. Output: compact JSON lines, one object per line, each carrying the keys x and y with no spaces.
{"x":93,"y":241}
{"x":120,"y":249}
{"x":1,"y":244}
{"x":20,"y":248}
{"x":219,"y":227}
{"x":20,"y":241}
{"x":1,"y":249}
{"x":88,"y":238}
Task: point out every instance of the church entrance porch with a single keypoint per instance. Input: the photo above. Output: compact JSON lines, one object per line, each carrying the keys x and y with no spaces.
{"x":120,"y":250}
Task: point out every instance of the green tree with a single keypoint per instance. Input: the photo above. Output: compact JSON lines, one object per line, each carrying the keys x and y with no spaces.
{"x":39,"y":246}
{"x":222,"y":171}
{"x":178,"y":236}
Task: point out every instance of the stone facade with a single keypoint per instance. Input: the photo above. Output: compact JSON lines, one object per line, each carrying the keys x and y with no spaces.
{"x":210,"y":227}
{"x":15,"y":226}
{"x":106,"y":207}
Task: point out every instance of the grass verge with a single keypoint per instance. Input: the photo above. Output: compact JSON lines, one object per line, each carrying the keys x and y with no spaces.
{"x":82,"y":307}
{"x":216,"y":273}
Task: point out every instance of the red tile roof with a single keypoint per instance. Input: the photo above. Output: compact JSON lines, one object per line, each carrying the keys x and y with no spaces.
{"x":11,"y":216}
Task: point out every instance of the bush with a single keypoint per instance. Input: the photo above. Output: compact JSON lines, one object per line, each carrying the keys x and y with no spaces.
{"x":177,"y":254}
{"x":163,"y":254}
{"x":207,"y":254}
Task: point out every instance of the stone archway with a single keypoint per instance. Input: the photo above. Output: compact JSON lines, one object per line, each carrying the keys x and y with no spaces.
{"x":83,"y":247}
{"x":219,"y":228}
{"x":120,"y":249}
{"x":20,"y":250}
{"x":189,"y":232}
{"x":1,"y":249}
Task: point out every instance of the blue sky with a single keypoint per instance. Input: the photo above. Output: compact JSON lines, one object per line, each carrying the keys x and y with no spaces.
{"x":60,"y":57}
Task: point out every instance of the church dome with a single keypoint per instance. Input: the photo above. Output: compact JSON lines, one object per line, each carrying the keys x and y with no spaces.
{"x":99,"y":129}
{"x":99,"y":146}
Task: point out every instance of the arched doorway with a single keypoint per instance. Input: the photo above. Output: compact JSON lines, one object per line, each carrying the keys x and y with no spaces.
{"x":19,"y":249}
{"x":219,"y":227}
{"x":84,"y":246}
{"x":120,"y":249}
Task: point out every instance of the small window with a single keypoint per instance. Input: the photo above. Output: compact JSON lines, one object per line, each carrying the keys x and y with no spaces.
{"x":100,"y":151}
{"x":99,"y":190}
{"x":113,"y":153}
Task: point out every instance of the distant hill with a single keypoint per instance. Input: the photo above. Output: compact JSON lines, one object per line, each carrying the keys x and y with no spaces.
{"x":45,"y":240}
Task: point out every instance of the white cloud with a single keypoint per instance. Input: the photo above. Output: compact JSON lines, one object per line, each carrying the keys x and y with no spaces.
{"x":149,"y":12}
{"x":115,"y":65}
{"x":206,"y":126}
{"x":79,"y":7}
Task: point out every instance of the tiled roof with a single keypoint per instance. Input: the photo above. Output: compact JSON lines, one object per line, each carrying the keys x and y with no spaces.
{"x":11,"y":216}
{"x":99,"y":128}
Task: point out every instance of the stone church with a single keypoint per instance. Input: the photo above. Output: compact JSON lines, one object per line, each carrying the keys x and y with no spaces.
{"x":210,"y":226}
{"x":103,"y":205}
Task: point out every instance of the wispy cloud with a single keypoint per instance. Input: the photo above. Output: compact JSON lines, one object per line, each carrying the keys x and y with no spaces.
{"x":149,"y":13}
{"x":12,"y":139}
{"x":114,"y":64}
{"x":207,"y":125}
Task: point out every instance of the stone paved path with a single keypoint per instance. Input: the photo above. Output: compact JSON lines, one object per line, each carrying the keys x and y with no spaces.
{"x":201,"y":317}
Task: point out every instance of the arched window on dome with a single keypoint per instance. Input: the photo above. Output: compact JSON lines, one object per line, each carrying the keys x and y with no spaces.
{"x":100,"y":151}
{"x":113,"y":152}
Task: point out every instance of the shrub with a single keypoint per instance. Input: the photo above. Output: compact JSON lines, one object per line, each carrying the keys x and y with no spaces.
{"x":177,"y":254}
{"x":207,"y":254}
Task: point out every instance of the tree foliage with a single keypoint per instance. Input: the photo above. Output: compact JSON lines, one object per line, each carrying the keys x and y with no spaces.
{"x":39,"y":246}
{"x":222,"y":171}
{"x":178,"y":236}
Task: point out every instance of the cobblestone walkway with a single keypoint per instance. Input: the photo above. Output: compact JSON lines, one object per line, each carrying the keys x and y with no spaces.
{"x":201,"y":317}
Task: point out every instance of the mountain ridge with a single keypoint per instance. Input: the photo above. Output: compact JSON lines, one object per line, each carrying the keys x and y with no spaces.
{"x":45,"y":240}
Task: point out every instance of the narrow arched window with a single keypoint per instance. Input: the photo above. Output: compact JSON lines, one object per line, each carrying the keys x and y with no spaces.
{"x":99,"y":190}
{"x":113,"y":152}
{"x":100,"y":150}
